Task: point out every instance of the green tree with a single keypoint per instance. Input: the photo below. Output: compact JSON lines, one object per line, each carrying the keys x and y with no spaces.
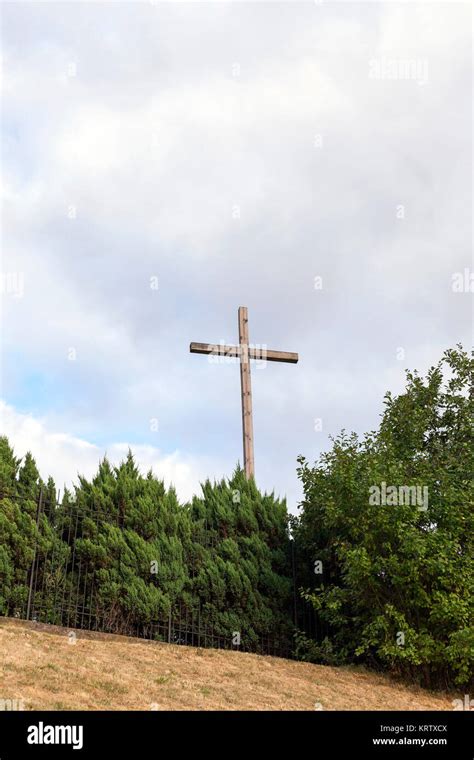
{"x":20,"y":536}
{"x":241,"y":578}
{"x":128,"y":562}
{"x":398,"y":563}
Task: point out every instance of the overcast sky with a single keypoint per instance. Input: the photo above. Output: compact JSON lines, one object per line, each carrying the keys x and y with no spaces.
{"x":229,"y":153}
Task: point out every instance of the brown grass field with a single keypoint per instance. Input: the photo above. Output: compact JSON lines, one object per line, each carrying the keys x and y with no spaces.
{"x":39,"y":665}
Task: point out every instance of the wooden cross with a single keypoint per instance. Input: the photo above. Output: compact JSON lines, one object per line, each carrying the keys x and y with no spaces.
{"x":246,"y":353}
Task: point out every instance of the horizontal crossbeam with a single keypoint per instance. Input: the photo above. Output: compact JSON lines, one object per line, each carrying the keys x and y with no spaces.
{"x":255,"y":352}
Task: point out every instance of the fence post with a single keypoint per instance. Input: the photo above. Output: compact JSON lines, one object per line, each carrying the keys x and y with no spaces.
{"x":32,"y":571}
{"x":169,"y":628}
{"x":295,"y":614}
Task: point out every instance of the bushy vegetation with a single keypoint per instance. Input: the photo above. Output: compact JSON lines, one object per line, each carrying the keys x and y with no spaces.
{"x":390,"y":517}
{"x":123,"y":549}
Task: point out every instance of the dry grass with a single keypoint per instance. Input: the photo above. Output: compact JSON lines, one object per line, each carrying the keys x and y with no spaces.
{"x":104,"y":672}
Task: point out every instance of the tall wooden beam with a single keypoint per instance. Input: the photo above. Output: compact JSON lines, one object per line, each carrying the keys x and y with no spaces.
{"x":246,"y":392}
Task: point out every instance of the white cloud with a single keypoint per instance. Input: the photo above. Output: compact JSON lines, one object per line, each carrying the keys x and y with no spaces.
{"x":64,"y":456}
{"x":154,"y":141}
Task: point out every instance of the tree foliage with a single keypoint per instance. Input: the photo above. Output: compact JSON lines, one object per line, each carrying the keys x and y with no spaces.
{"x":397,"y":586}
{"x":122,"y":553}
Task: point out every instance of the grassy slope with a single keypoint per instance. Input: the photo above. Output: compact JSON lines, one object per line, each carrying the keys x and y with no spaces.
{"x":39,"y":665}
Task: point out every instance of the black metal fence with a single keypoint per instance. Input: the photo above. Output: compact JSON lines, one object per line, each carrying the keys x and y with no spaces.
{"x":61,"y":588}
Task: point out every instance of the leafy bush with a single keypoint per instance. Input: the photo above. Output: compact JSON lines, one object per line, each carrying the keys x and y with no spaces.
{"x":398,"y":565}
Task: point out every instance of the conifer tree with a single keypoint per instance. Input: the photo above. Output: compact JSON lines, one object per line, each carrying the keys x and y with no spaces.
{"x":19,"y":489}
{"x":241,"y":577}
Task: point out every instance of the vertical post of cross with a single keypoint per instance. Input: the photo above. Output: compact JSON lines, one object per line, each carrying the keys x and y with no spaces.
{"x":246,"y":392}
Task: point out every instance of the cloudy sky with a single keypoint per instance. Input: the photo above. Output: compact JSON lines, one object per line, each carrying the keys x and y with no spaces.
{"x":164,"y":163}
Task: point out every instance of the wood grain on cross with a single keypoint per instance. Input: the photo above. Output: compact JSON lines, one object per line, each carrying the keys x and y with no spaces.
{"x":246,"y":353}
